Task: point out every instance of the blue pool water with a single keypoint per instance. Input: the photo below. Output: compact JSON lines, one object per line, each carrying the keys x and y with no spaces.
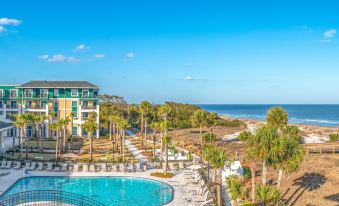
{"x":110,"y":191}
{"x":313,"y":114}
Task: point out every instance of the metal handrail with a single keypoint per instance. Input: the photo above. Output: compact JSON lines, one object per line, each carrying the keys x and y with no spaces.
{"x":47,"y":197}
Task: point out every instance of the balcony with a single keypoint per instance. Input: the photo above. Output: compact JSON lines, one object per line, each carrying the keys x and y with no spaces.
{"x":11,"y":106}
{"x":89,"y":107}
{"x":84,"y":118}
{"x":35,"y":107}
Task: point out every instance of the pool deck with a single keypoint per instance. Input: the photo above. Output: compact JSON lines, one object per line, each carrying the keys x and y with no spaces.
{"x":177,"y":182}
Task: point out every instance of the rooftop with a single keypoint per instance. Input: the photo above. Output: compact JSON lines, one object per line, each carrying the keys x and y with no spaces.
{"x":4,"y":125}
{"x":58,"y":84}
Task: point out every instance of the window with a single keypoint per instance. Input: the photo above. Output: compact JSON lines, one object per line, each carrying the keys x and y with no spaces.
{"x":1,"y":104}
{"x":85,"y":103}
{"x":28,"y":104}
{"x":14,"y":93}
{"x":84,"y":115}
{"x":74,"y":92}
{"x":43,"y":104}
{"x":74,"y":103}
{"x":1,"y":113}
{"x":56,"y":103}
{"x":1,"y":92}
{"x":74,"y":130}
{"x":9,"y":114}
{"x":43,"y":92}
{"x":14,"y":105}
{"x":85,"y":93}
{"x":56,"y":92}
{"x":28,"y":93}
{"x":95,"y":93}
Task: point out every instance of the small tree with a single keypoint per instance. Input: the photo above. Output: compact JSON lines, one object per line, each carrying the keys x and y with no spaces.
{"x":268,"y":195}
{"x":166,"y":141}
{"x":235,"y":185}
{"x":334,"y":137}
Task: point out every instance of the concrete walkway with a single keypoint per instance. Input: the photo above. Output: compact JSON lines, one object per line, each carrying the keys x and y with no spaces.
{"x":137,"y":154}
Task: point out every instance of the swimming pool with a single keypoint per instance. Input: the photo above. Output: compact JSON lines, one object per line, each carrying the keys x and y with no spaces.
{"x":110,"y":191}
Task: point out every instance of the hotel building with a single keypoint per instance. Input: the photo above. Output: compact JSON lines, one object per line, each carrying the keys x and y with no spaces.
{"x":61,"y":98}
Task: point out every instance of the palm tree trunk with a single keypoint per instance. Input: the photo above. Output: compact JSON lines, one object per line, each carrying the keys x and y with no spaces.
{"x":90,"y":146}
{"x":42,"y":140}
{"x":21,"y":143}
{"x":253,"y":183}
{"x":123,"y":146}
{"x":37,"y":137}
{"x":110,"y":130}
{"x":145,"y":136}
{"x":280,"y":174}
{"x":264,"y":173}
{"x":166,"y":159}
{"x":142,"y":131}
{"x":65,"y":140}
{"x":161,"y":151}
{"x":57,"y":146}
{"x":154,"y":144}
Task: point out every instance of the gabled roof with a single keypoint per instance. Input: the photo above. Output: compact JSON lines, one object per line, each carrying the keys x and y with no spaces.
{"x":58,"y":84}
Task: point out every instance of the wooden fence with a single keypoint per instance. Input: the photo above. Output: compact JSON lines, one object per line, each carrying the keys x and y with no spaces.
{"x":324,"y":148}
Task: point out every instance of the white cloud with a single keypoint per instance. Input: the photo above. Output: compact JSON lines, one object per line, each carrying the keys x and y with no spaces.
{"x":73,"y":59}
{"x":325,"y":40}
{"x":81,"y":47}
{"x":330,"y":33}
{"x":2,"y":29}
{"x":57,"y":58}
{"x":7,"y":21}
{"x":99,"y":56}
{"x":189,"y":78}
{"x":130,"y":55}
{"x":44,"y":56}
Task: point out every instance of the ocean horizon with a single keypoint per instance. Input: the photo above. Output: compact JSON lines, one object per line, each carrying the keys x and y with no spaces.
{"x":309,"y":114}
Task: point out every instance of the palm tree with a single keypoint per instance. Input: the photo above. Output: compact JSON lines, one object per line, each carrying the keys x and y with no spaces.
{"x":163,"y":126}
{"x":217,"y":157}
{"x":20,"y":121}
{"x":145,"y":108}
{"x":123,"y":125}
{"x":163,"y":112}
{"x":263,"y":144}
{"x":64,"y":123}
{"x":288,"y":156}
{"x":268,"y":195}
{"x":166,"y":141}
{"x":41,"y":120}
{"x":212,"y":120}
{"x":155,"y":127}
{"x":55,"y":127}
{"x":277,"y":117}
{"x":90,"y":126}
{"x":50,"y":118}
{"x":199,"y":119}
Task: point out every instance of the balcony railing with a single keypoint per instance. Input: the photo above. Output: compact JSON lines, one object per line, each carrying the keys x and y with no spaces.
{"x":35,"y":106}
{"x":88,"y":107}
{"x":84,"y":118}
{"x":11,"y":106}
{"x":47,"y":197}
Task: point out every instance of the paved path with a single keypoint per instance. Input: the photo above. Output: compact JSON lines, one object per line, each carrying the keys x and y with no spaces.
{"x":132,"y":149}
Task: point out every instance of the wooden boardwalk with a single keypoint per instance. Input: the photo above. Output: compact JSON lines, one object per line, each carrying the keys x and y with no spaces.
{"x":322,"y":148}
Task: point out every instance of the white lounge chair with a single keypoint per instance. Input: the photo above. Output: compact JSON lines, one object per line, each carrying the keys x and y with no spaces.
{"x":17,"y":165}
{"x":40,"y":166}
{"x":8,"y":165}
{"x":56,"y":168}
{"x":122,"y":167}
{"x":208,"y":202}
{"x":49,"y":166}
{"x":64,"y":167}
{"x":3,"y":164}
{"x":32,"y":166}
{"x":92,"y":168}
{"x":104,"y":167}
{"x":85,"y":167}
{"x":76,"y":167}
{"x":115,"y":168}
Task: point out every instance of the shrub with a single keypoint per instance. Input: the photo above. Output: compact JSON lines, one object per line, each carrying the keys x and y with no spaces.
{"x":162,"y":175}
{"x":334,"y":137}
{"x":235,"y":186}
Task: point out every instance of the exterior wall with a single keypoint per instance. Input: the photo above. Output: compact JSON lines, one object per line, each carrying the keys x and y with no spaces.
{"x":34,"y":100}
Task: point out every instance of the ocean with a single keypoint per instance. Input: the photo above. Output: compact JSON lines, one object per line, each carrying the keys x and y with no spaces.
{"x":311,"y":114}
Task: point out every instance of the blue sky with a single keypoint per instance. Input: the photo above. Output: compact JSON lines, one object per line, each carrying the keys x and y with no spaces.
{"x":187,"y":51}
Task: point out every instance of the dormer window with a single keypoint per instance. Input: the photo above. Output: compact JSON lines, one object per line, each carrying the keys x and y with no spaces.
{"x":43,"y":93}
{"x":85,"y":93}
{"x":14,"y":93}
{"x":74,"y":92}
{"x":28,"y":92}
